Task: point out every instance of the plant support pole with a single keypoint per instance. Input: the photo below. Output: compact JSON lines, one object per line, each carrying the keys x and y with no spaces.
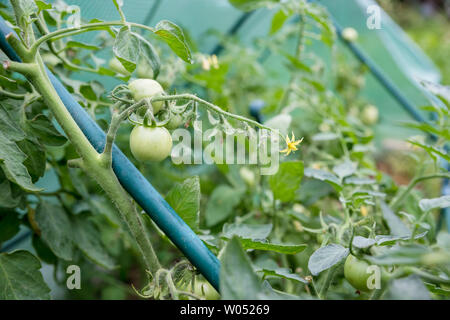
{"x":140,"y":189}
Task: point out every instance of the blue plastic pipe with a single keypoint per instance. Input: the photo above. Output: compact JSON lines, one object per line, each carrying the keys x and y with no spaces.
{"x":134,"y":182}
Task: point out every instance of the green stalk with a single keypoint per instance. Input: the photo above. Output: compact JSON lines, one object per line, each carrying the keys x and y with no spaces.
{"x":91,"y":162}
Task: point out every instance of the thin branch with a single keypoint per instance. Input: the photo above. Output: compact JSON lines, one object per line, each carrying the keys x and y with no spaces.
{"x":401,"y":196}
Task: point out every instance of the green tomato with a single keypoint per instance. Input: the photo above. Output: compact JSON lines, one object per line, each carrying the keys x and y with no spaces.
{"x":204,"y":289}
{"x":355,"y":271}
{"x":150,"y":143}
{"x":370,"y":115}
{"x":147,"y":88}
{"x":350,"y":34}
{"x":174,"y":122}
{"x":116,"y":66}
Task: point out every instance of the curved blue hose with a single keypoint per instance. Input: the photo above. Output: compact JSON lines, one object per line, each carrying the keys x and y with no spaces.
{"x":134,"y":182}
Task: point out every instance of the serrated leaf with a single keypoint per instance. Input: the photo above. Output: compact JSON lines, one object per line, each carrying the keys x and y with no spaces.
{"x":400,"y":255}
{"x":36,"y":160}
{"x":56,"y":229}
{"x":324,"y":176}
{"x":174,"y":37}
{"x":11,"y":161}
{"x":184,"y":198}
{"x":247,"y":231}
{"x":9,"y":224}
{"x":150,"y":55}
{"x":20,"y":278}
{"x":221,"y":204}
{"x":275,"y":247}
{"x":326,"y":257}
{"x":44,"y":130}
{"x":82,"y":45}
{"x":87,"y":240}
{"x":430,"y":204}
{"x":237,"y":278}
{"x":286,"y":181}
{"x":126,"y":48}
{"x":278,"y":20}
{"x":282,"y":273}
{"x":396,"y":226}
{"x":8,"y":126}
{"x":345,"y":169}
{"x":409,"y":288}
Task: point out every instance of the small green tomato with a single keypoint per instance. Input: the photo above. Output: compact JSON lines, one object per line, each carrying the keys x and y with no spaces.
{"x":174,"y":122}
{"x":147,"y":88}
{"x":370,"y":115}
{"x":350,"y":34}
{"x":150,"y":143}
{"x":204,"y":289}
{"x":355,"y":271}
{"x":117,"y":67}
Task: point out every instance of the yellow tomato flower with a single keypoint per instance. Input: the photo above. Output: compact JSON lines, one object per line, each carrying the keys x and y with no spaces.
{"x":291,"y":144}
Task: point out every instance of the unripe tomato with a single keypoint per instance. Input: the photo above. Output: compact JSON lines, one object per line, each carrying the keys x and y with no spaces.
{"x":350,"y":34}
{"x":355,"y":271}
{"x":150,"y":143}
{"x":147,"y":88}
{"x":248,"y":176}
{"x":203,"y":288}
{"x":117,"y":67}
{"x":370,"y":115}
{"x":174,"y":122}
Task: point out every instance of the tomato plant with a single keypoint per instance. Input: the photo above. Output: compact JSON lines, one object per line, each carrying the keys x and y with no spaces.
{"x":338,"y":211}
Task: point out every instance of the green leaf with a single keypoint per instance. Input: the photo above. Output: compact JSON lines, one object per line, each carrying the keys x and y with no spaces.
{"x":278,"y":20}
{"x":400,"y":255}
{"x":23,"y":9}
{"x":56,"y":229}
{"x":430,"y":204}
{"x":221,"y":204}
{"x":9,"y":225}
{"x":276,"y":247}
{"x":42,"y":5}
{"x":287,"y":180}
{"x":86,"y":236}
{"x":283,"y":273}
{"x":326,"y":257}
{"x":396,"y":226}
{"x":150,"y":55}
{"x":238,"y":281}
{"x":246,"y":231}
{"x":345,"y":169}
{"x":36,"y":159}
{"x":324,"y":176}
{"x":297,"y":64}
{"x":431,"y":150}
{"x":20,"y":278}
{"x":43,"y":128}
{"x":8,"y":198}
{"x":11,"y":161}
{"x":126,"y":48}
{"x":174,"y":37}
{"x":184,"y":198}
{"x":248,"y":5}
{"x":8,"y":126}
{"x":410,"y":288}
{"x":82,"y":45}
